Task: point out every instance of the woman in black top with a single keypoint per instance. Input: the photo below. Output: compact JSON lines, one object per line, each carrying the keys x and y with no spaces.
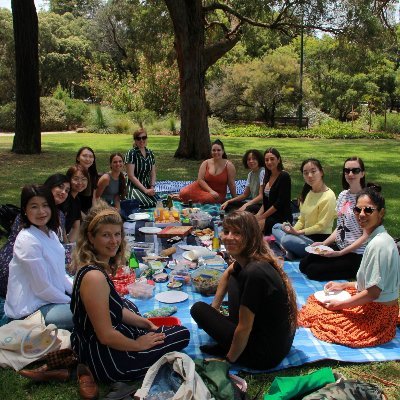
{"x":87,"y":159}
{"x":276,"y":193}
{"x":262,"y":305}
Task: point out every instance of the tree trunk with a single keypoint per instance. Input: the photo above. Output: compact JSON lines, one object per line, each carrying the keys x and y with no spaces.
{"x":27,"y":138}
{"x":187,"y":19}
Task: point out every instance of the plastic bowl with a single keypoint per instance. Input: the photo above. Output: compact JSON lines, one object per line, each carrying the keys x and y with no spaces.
{"x":205,"y":281}
{"x":165,"y":321}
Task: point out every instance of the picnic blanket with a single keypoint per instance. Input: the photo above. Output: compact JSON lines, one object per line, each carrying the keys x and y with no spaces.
{"x":165,"y":187}
{"x":306,"y":348}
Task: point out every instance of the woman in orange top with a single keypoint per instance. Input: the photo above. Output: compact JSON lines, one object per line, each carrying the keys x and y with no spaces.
{"x":215,"y":174}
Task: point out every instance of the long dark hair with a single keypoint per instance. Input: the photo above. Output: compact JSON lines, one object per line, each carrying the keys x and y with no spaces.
{"x":219,"y":143}
{"x":307,"y":187}
{"x":56,"y":180}
{"x":93,"y":174}
{"x":121,"y":177}
{"x":276,"y":153}
{"x":30,"y":191}
{"x":257,"y":249}
{"x":345,"y":184}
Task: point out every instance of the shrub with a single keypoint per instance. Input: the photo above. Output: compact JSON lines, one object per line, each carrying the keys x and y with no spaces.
{"x":392,"y":123}
{"x":122,"y":125}
{"x":76,"y":112}
{"x":215,"y":125}
{"x":52,"y":114}
{"x":98,"y":120}
{"x":142,"y":117}
{"x":7,"y":117}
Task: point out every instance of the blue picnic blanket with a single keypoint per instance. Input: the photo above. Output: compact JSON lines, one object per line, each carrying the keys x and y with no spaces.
{"x":165,"y":187}
{"x":306,"y":348}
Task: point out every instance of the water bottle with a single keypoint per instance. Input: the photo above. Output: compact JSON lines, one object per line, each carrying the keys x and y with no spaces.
{"x":216,"y":243}
{"x":133,"y":261}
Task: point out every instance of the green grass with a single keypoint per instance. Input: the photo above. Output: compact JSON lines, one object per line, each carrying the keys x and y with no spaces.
{"x":382,"y":164}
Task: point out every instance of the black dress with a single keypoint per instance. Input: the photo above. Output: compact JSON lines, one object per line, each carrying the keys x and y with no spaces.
{"x":107,"y":364}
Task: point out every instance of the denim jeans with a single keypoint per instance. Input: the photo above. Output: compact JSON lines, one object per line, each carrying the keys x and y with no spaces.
{"x":58,"y":314}
{"x":295,"y":244}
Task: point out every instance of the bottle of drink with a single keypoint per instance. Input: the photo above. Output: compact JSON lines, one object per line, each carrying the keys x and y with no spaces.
{"x":170,"y":203}
{"x":133,"y":261}
{"x":216,"y":243}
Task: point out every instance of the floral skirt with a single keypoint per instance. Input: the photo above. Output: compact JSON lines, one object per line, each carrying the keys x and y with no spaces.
{"x":368,"y":325}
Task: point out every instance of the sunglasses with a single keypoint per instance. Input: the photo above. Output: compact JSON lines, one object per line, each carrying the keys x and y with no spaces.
{"x":141,"y":138}
{"x":367,"y":210}
{"x":355,"y":171}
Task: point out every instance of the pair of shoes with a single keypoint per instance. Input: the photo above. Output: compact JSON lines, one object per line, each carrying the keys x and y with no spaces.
{"x":88,"y":388}
{"x":213,"y":349}
{"x":43,"y":374}
{"x":120,"y":391}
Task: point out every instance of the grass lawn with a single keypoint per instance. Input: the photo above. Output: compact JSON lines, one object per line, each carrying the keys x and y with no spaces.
{"x":382,"y":166}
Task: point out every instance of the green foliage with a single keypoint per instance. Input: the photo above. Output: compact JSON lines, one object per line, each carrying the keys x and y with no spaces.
{"x":215,"y":125}
{"x":7,"y":117}
{"x":142,"y":117}
{"x":105,"y":120}
{"x":7,"y":63}
{"x":392,"y":123}
{"x":52,"y":114}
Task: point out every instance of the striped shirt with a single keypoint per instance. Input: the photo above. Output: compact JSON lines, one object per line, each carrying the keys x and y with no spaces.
{"x":348,"y":229}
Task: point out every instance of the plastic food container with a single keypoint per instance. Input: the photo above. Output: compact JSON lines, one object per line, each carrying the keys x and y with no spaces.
{"x":205,"y":280}
{"x":200,"y":220}
{"x":180,"y":275}
{"x":166,"y":321}
{"x":141,"y":290}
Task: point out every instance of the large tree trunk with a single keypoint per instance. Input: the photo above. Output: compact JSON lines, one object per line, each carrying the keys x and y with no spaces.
{"x":27,"y":138}
{"x":188,"y":25}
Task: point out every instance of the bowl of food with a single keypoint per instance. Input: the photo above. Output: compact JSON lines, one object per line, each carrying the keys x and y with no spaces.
{"x":205,"y":281}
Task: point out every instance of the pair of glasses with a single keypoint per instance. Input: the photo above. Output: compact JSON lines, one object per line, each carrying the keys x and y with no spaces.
{"x":355,"y":171}
{"x":141,"y":138}
{"x":367,"y":210}
{"x":77,"y":180}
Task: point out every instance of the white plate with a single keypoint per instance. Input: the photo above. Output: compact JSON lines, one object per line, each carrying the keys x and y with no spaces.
{"x":319,"y":250}
{"x":150,"y":229}
{"x":139,"y":216}
{"x":172,"y":296}
{"x":340,"y":296}
{"x":185,"y":255}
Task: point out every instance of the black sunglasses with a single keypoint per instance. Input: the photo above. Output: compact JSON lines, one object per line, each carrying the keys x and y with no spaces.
{"x":355,"y":171}
{"x":367,"y":210}
{"x":141,"y":138}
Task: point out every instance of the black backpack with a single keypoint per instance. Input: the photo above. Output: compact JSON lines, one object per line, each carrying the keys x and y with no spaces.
{"x":8,"y":213}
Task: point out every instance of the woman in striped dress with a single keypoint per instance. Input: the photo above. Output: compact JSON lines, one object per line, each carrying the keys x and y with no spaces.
{"x":348,"y":239}
{"x":140,"y":166}
{"x":110,"y":336}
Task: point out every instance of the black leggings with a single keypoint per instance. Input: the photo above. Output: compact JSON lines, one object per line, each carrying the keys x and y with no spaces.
{"x":321,"y":268}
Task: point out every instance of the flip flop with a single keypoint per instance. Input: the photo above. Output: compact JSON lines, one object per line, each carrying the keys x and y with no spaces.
{"x":120,"y":391}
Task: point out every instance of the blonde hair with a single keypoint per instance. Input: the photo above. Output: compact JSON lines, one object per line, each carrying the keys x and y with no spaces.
{"x":84,"y":253}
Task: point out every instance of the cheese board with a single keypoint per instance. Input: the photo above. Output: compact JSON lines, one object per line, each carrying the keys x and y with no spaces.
{"x":171,"y":231}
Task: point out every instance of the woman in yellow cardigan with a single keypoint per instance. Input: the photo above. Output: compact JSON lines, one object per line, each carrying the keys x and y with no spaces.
{"x":317,"y":213}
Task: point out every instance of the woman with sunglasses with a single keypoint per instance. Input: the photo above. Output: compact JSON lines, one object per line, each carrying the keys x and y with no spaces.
{"x":348,"y":240}
{"x":317,"y":213}
{"x":141,"y":169}
{"x":368,"y":317}
{"x":37,"y":278}
{"x":87,"y":159}
{"x":111,"y":186}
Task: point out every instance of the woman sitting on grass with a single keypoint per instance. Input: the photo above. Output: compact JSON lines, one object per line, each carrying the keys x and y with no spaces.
{"x":261,"y":325}
{"x":251,"y":198}
{"x":111,"y":186}
{"x":37,"y":278}
{"x":317,"y":213}
{"x":348,"y":239}
{"x":369,"y":316}
{"x":215,"y":174}
{"x":110,"y":336}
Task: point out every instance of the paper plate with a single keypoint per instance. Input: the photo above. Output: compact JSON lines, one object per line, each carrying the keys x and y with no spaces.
{"x":185,"y":255}
{"x":340,"y":296}
{"x":150,"y":229}
{"x":172,"y":296}
{"x":139,"y":216}
{"x":319,"y":250}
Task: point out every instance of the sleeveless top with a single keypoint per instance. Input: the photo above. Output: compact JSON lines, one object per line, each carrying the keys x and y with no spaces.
{"x":111,"y":190}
